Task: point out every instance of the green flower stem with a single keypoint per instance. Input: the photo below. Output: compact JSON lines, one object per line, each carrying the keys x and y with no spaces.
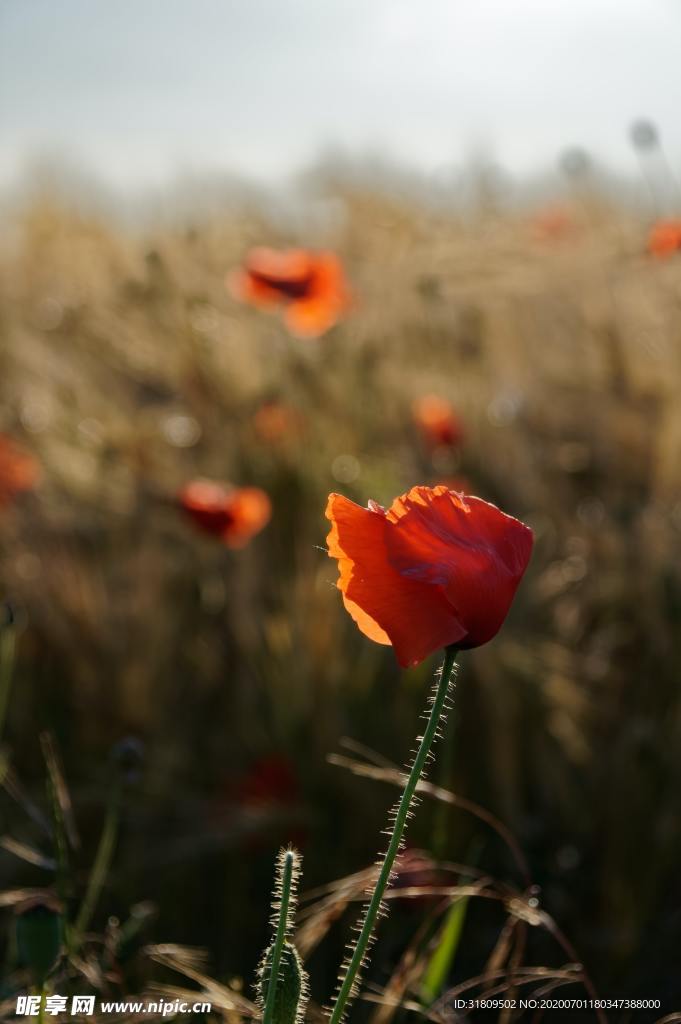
{"x":354,"y":965}
{"x":282,"y":927}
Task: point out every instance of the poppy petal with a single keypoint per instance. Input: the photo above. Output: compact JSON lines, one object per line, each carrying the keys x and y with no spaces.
{"x":308,"y":318}
{"x":234,"y":514}
{"x":283,"y":266}
{"x":465,"y":545}
{"x":246,"y":287}
{"x":251,"y":511}
{"x":311,"y":287}
{"x":19,"y":471}
{"x":388,"y":607}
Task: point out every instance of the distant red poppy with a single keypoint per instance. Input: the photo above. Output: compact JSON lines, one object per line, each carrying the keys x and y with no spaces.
{"x":267,"y":796}
{"x":437,"y":422}
{"x":19,"y":471}
{"x":271,"y":780}
{"x":664,"y":238}
{"x":553,"y":225}
{"x":276,"y":421}
{"x":234,"y":514}
{"x":435,"y":569}
{"x":311,"y":286}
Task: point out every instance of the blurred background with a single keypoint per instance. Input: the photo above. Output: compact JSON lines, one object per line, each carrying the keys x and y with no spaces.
{"x":501,"y":185}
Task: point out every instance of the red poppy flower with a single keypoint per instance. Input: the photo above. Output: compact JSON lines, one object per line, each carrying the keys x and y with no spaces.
{"x":553,"y":225}
{"x":272,"y":780}
{"x":435,"y":569}
{"x":311,"y":286}
{"x":665,"y":238}
{"x":275,"y":421}
{"x":437,"y":422}
{"x":19,"y":471}
{"x":268,"y":796}
{"x":234,"y":514}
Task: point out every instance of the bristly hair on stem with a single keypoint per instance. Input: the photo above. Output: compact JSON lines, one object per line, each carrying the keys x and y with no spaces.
{"x":282,"y":982}
{"x":350,"y":973}
{"x":285,"y":892}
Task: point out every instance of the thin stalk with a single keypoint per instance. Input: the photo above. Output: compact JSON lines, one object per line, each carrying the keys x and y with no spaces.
{"x":282,"y":928}
{"x":357,"y":959}
{"x":7,"y":652}
{"x":100,"y":867}
{"x":58,"y":826}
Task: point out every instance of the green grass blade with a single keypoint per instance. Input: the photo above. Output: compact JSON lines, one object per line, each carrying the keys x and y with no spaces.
{"x":442,"y":959}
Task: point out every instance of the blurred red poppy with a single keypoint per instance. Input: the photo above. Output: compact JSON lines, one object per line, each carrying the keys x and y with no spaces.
{"x":664,"y":238}
{"x":437,"y":422}
{"x":269,"y":796}
{"x":435,"y":569}
{"x":553,"y":225}
{"x":234,"y":514}
{"x":19,"y":471}
{"x":275,"y":421}
{"x":311,"y":286}
{"x":271,"y":780}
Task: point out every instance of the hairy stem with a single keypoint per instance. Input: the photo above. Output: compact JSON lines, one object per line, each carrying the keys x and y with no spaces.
{"x":350,"y":976}
{"x":282,"y":928}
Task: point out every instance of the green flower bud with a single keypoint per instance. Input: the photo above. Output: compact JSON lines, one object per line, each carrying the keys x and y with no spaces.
{"x":40,"y":935}
{"x":291,"y":994}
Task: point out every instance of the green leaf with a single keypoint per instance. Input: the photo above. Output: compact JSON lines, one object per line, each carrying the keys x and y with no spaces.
{"x":442,"y":959}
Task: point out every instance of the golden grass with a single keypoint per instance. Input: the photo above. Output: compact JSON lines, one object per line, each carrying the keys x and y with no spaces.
{"x":127,"y":368}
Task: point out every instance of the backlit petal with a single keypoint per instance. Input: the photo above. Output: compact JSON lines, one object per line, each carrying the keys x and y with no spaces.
{"x":467,"y":546}
{"x":387,"y":606}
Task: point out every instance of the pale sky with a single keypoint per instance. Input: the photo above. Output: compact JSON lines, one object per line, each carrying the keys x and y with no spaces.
{"x":142,"y":89}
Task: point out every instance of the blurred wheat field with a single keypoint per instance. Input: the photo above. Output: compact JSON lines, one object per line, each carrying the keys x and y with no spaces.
{"x":127,"y":369}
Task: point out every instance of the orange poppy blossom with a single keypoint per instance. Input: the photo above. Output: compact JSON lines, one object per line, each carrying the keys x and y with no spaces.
{"x":271,"y":780}
{"x":664,"y":238}
{"x":268,"y":796}
{"x":19,"y":471}
{"x":275,"y":421}
{"x":436,"y":569}
{"x":437,"y":422}
{"x":553,"y":225}
{"x":310,"y":286}
{"x":233,"y":514}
